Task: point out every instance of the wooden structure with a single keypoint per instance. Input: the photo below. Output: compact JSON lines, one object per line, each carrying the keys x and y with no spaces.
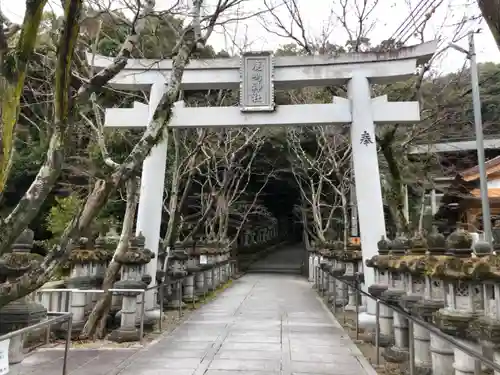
{"x":461,"y":203}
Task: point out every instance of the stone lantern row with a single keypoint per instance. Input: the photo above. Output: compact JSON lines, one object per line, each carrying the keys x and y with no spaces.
{"x":195,"y":269}
{"x":342,"y":262}
{"x":445,"y":282}
{"x":192,"y":270}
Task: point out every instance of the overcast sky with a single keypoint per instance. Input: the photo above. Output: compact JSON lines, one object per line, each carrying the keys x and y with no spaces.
{"x":386,"y":17}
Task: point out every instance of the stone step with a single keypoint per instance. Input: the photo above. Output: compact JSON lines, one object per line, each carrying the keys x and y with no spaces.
{"x":274,"y":270}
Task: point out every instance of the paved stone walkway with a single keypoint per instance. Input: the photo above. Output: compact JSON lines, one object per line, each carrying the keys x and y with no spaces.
{"x":261,"y":325}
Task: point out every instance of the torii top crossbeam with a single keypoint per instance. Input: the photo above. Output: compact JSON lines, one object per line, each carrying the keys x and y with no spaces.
{"x":289,"y":71}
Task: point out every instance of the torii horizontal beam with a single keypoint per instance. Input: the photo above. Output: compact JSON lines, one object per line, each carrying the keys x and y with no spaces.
{"x":454,"y":146}
{"x":338,"y":112}
{"x":290,"y":71}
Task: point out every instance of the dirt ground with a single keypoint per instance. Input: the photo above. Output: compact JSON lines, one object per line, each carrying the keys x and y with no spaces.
{"x":348,"y":320}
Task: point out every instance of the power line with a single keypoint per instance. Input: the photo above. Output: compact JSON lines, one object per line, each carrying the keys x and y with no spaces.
{"x":410,"y":16}
{"x":424,"y":20}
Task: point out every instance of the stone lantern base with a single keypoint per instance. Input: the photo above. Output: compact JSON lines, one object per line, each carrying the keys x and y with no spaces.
{"x":124,"y":334}
{"x":16,"y":315}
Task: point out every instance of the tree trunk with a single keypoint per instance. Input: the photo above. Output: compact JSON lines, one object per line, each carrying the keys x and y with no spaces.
{"x":345,"y":216}
{"x":12,"y":77}
{"x":490,"y":9}
{"x":98,"y":315}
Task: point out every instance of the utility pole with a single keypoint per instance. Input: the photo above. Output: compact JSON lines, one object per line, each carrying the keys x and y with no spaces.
{"x":478,"y":124}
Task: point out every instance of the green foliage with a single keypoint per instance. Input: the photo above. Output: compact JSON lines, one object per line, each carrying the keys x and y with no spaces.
{"x":65,"y":208}
{"x":61,"y":213}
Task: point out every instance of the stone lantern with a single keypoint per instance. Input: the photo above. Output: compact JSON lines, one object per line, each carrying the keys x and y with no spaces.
{"x":421,"y":304}
{"x":460,"y":295}
{"x":192,"y":269}
{"x":312,"y":254}
{"x":176,"y":270}
{"x":23,"y":312}
{"x":206,"y":265}
{"x":133,"y":276}
{"x":230,"y":256}
{"x":414,"y":280}
{"x":83,"y":262}
{"x":223,"y":260}
{"x":211,"y":250}
{"x":441,"y":352}
{"x":338,"y":270}
{"x":315,"y":262}
{"x":391,"y":264}
{"x":380,"y":273}
{"x":324,"y":267}
{"x":195,"y":267}
{"x":353,"y":260}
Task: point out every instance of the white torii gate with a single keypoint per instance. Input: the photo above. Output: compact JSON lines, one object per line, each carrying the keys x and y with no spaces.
{"x":257,"y":75}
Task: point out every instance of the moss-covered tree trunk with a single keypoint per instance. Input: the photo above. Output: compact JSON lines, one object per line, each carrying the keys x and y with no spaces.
{"x":393,"y":194}
{"x":13,"y":69}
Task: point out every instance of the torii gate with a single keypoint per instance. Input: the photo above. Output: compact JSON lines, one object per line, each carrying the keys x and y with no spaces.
{"x":257,"y":75}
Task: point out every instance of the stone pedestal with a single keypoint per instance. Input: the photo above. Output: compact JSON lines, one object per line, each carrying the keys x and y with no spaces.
{"x":188,"y":295}
{"x":316,"y":262}
{"x":215,"y":277}
{"x":463,"y":363}
{"x":331,"y":290}
{"x":128,"y":330}
{"x":338,"y":270}
{"x":175,"y":296}
{"x":421,"y":364}
{"x":208,"y":279}
{"x":133,"y":263}
{"x":422,"y":342}
{"x":442,"y":356}
{"x":16,"y":315}
{"x":455,"y":323}
{"x":488,"y":332}
{"x":21,"y":313}
{"x":399,"y":351}
{"x":424,"y":309}
{"x":386,"y":326}
{"x":199,"y":282}
{"x":176,"y":271}
{"x":310,"y":277}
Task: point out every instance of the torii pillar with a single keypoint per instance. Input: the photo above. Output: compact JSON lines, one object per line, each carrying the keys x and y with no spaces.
{"x":370,"y":207}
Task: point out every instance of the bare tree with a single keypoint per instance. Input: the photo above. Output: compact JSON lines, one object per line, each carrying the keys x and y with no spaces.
{"x":322,"y":173}
{"x":232,"y":155}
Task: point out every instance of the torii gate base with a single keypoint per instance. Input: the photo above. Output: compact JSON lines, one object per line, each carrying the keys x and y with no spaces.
{"x":256,"y":75}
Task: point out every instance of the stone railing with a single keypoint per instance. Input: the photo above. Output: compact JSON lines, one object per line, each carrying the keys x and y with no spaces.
{"x":448,"y":283}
